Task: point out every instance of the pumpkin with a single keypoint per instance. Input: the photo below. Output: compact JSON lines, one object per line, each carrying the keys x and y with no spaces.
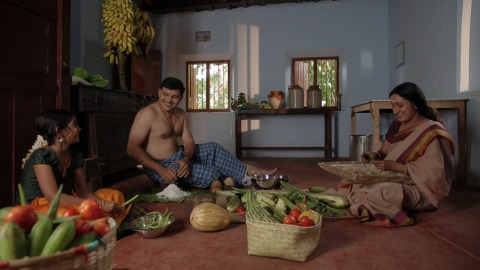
{"x":209,"y":217}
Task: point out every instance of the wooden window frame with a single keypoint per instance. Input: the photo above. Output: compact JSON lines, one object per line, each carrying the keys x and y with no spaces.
{"x":189,"y":95}
{"x":336,"y":102}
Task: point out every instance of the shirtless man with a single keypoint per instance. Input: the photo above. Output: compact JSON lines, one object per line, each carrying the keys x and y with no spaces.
{"x":154,"y":143}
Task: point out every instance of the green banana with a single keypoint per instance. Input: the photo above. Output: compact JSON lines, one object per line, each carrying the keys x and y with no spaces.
{"x":317,"y":189}
{"x":13,"y":242}
{"x":39,"y":235}
{"x":84,"y":239}
{"x":60,"y":238}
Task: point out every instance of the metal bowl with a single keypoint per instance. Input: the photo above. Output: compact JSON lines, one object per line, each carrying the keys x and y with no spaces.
{"x":264,"y":181}
{"x":141,"y":226}
{"x":283,"y":178}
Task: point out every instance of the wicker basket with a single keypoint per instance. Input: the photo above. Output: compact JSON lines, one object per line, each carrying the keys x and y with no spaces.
{"x":282,"y":241}
{"x":95,"y":255}
{"x":364,"y":173}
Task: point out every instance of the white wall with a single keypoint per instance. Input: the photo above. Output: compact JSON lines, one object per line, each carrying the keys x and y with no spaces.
{"x":260,"y":42}
{"x":86,"y":39}
{"x":431,"y":32}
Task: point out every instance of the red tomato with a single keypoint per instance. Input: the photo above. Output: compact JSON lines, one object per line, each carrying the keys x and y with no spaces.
{"x":306,"y":221}
{"x":24,"y":216}
{"x":90,"y":209}
{"x":295,"y":213}
{"x":81,"y":226}
{"x":70,"y":212}
{"x":288,"y":219}
{"x":101,"y":226}
{"x":240,"y":209}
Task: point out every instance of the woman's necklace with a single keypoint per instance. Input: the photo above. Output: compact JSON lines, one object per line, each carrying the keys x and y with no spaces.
{"x":172,"y":120}
{"x":68,"y":159}
{"x":416,"y":124}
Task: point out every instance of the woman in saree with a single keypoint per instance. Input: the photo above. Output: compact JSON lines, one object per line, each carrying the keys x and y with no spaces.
{"x":417,"y":145}
{"x":54,"y":160}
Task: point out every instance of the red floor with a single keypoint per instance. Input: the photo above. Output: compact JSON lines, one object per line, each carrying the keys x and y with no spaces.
{"x":448,"y":238}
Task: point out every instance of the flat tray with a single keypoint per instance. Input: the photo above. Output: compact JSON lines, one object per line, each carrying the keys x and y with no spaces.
{"x":364,"y":173}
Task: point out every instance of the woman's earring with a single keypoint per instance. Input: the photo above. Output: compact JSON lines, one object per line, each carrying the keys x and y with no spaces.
{"x":416,"y":108}
{"x":61,"y":140}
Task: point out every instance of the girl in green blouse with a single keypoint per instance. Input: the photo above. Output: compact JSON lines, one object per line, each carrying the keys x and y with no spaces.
{"x":53,"y":160}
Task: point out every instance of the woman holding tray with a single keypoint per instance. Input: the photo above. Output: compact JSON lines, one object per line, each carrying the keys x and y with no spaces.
{"x":417,"y":145}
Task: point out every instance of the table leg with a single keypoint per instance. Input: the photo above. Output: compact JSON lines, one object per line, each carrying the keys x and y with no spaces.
{"x":376,"y":128}
{"x":462,"y":131}
{"x":328,"y":135}
{"x":238,"y":135}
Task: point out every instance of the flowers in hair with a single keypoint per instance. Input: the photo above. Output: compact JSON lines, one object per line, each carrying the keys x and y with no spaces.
{"x":40,"y":142}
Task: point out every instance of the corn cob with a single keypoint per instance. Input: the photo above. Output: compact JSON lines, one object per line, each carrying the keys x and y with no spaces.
{"x":336,"y":201}
{"x":13,"y":242}
{"x":60,"y":238}
{"x":39,"y":235}
{"x":233,"y":202}
{"x":255,"y":210}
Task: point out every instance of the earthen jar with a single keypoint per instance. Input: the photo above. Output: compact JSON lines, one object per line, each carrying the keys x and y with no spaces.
{"x":295,"y":97}
{"x":314,"y":97}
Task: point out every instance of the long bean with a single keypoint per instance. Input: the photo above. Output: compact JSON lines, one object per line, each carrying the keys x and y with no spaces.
{"x":158,"y":220}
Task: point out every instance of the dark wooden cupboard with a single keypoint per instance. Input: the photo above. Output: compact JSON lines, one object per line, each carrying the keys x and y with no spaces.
{"x":34,"y":76}
{"x":105,"y":117}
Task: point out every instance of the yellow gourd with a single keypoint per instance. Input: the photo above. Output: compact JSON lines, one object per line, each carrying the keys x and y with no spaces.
{"x":209,"y":217}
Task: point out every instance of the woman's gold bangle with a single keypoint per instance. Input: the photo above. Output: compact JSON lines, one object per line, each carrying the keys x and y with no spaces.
{"x":406,"y":169}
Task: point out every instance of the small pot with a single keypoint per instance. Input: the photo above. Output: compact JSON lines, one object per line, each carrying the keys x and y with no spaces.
{"x":276,"y":99}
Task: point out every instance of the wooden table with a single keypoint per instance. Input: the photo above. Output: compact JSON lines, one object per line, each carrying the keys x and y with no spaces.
{"x":375,"y":107}
{"x":245,"y":113}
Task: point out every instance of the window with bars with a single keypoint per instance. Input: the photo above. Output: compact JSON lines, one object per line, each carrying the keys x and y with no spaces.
{"x":321,"y":71}
{"x":208,"y":86}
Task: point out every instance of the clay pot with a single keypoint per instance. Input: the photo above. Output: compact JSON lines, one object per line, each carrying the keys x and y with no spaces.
{"x":276,"y":99}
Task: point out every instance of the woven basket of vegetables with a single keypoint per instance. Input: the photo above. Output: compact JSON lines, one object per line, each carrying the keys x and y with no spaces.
{"x":47,"y":241}
{"x":269,"y":237}
{"x":97,"y":254}
{"x":282,"y":241}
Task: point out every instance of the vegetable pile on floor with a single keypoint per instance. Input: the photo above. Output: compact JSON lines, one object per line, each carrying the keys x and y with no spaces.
{"x":287,"y":206}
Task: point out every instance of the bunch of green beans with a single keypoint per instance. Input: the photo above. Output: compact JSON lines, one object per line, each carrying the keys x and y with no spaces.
{"x":157,"y":220}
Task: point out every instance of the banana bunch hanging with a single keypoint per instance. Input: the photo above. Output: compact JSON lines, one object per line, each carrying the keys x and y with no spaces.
{"x":144,"y":32}
{"x":119,"y":28}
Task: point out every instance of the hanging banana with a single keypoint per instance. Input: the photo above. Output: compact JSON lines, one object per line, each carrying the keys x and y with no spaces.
{"x":118,"y":32}
{"x":144,"y":32}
